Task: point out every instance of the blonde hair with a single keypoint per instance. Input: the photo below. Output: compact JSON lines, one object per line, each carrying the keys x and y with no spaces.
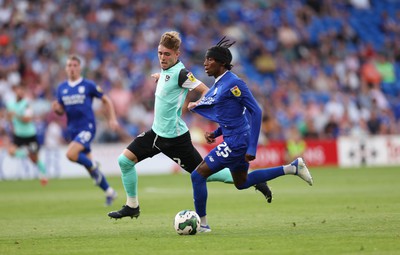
{"x":75,"y":57}
{"x":171,"y":40}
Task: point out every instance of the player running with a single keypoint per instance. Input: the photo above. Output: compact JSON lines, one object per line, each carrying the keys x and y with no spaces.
{"x":24,"y":134}
{"x":75,"y":97}
{"x":169,"y":134}
{"x":230,"y":103}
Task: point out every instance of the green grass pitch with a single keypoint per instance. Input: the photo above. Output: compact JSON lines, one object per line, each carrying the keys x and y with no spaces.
{"x":347,"y":211}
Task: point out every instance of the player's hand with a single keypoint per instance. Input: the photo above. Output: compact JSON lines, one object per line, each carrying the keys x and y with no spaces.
{"x":114,"y":125}
{"x":209,"y":137}
{"x":10,"y":115}
{"x":156,"y":76}
{"x":191,"y":105}
{"x":57,"y":108}
{"x":249,"y":157}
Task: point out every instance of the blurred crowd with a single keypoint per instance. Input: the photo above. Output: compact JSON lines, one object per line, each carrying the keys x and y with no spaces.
{"x":325,"y":68}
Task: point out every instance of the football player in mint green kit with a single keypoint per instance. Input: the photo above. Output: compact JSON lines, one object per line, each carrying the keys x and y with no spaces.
{"x":169,"y":134}
{"x":24,"y":140}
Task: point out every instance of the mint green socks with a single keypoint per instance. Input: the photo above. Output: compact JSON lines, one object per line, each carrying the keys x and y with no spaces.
{"x":129,"y":175}
{"x":41,"y":167}
{"x":21,"y":153}
{"x":222,"y":176}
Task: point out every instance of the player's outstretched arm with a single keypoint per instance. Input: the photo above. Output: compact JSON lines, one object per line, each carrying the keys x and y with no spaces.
{"x":202,"y":90}
{"x":112,"y":117}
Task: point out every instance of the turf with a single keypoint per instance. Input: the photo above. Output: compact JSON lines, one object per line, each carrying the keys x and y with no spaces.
{"x":347,"y":211}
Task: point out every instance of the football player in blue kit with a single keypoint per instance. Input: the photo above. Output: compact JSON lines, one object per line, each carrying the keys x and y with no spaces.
{"x":74,"y":98}
{"x":169,"y":133}
{"x":230,"y":103}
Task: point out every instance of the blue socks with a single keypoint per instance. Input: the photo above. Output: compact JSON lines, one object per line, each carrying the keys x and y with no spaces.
{"x":85,"y":161}
{"x":199,"y":184}
{"x":99,"y":178}
{"x":262,"y":175}
{"x":95,"y":173}
{"x":200,"y":193}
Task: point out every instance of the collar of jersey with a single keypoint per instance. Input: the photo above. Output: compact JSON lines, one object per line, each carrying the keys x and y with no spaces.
{"x":74,"y":83}
{"x":219,"y":77}
{"x":172,"y":66}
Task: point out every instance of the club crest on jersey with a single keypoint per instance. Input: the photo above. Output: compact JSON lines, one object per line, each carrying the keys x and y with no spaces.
{"x":81,"y":89}
{"x":99,"y":89}
{"x":236,"y":91}
{"x":167,"y":77}
{"x":191,"y":77}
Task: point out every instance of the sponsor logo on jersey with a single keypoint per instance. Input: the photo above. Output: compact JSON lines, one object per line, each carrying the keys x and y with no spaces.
{"x":207,"y":101}
{"x":236,"y":91}
{"x":73,"y":99}
{"x":191,"y":77}
{"x":99,"y":89}
{"x":81,"y":89}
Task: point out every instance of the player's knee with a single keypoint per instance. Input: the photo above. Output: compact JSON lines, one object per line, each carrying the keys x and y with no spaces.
{"x":240,"y":185}
{"x":34,"y":158}
{"x":11,"y":151}
{"x":196,"y":177}
{"x":72,"y":156}
{"x":124,"y":163}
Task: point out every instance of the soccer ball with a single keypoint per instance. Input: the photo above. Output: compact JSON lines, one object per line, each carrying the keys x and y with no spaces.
{"x":187,"y":222}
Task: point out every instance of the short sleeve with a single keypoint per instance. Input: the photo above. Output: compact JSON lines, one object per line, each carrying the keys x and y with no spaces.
{"x":187,"y":80}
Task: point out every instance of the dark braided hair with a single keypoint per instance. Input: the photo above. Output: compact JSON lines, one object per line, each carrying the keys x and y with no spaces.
{"x":221,"y":53}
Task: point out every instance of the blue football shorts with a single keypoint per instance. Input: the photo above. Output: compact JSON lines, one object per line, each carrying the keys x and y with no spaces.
{"x":84,"y":137}
{"x":229,"y":153}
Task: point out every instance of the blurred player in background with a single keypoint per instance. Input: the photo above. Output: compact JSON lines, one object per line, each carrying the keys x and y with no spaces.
{"x":24,"y":141}
{"x":295,"y":144}
{"x":169,"y":134}
{"x":75,"y":97}
{"x":230,"y":103}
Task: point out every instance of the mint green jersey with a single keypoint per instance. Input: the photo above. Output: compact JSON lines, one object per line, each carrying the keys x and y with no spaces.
{"x":172,"y":87}
{"x":21,"y":108}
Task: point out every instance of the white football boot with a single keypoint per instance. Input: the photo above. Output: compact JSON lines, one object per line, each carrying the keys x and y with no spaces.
{"x":302,"y":170}
{"x":204,"y":229}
